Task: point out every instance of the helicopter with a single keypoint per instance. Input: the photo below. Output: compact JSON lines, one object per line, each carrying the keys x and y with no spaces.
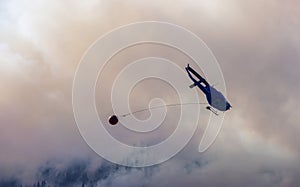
{"x":215,"y":98}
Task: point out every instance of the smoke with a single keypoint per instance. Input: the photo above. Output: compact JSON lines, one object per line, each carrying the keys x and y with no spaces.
{"x":256,"y":44}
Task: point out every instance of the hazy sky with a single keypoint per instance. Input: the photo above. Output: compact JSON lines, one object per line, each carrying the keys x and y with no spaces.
{"x":257,"y":44}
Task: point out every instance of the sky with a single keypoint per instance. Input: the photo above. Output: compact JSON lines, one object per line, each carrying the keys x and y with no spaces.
{"x":257,"y":44}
